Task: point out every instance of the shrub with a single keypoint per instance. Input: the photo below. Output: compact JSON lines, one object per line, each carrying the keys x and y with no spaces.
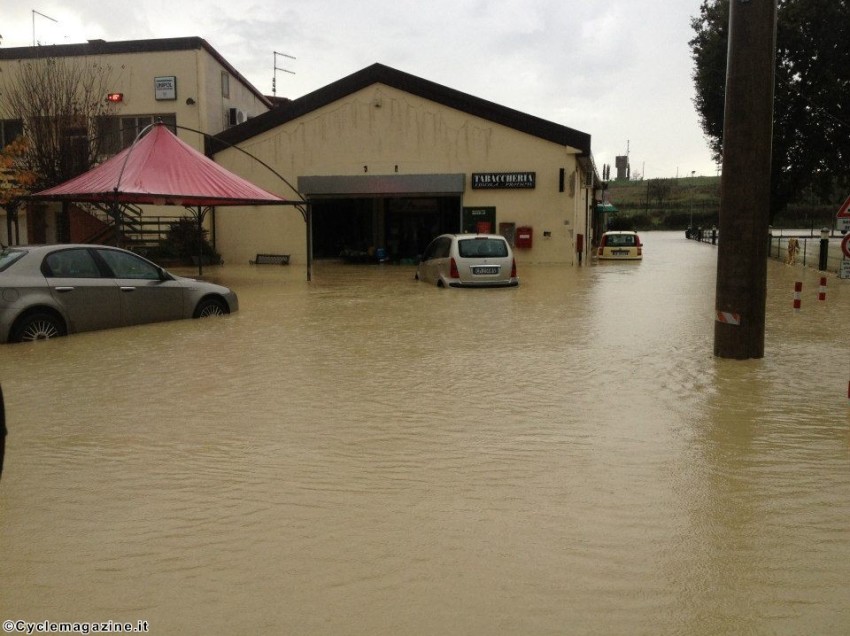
{"x":184,"y":242}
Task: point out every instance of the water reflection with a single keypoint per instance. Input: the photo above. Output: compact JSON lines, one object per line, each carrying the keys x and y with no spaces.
{"x":364,"y":454}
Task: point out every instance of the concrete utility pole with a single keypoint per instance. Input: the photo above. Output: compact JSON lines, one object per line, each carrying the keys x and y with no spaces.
{"x":745,"y":186}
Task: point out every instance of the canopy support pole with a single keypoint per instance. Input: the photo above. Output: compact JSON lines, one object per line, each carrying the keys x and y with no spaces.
{"x":200,"y":213}
{"x":200,"y":241}
{"x":115,"y":212}
{"x":308,"y":216}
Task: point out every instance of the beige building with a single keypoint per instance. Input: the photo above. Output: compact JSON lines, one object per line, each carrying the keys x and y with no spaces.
{"x":388,"y":160}
{"x":182,"y":81}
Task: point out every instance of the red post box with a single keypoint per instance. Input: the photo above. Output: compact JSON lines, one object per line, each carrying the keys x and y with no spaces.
{"x":524,"y":237}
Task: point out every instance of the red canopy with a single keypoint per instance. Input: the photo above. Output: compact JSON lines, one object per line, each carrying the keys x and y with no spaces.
{"x":160,"y":169}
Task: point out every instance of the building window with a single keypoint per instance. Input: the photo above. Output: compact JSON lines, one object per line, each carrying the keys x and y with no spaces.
{"x":225,"y":84}
{"x":10,"y":129}
{"x":119,"y":132}
{"x":75,"y":152}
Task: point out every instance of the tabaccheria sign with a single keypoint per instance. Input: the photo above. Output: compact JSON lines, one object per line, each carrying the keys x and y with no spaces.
{"x":510,"y":180}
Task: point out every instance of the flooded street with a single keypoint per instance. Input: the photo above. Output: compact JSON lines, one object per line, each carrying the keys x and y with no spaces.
{"x":365,"y":454}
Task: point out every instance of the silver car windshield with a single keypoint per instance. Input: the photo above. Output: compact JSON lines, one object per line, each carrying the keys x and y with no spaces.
{"x":482,"y":248}
{"x":9,"y":256}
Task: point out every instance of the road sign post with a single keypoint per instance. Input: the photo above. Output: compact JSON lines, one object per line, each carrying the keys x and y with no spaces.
{"x":845,"y":246}
{"x":844,"y":268}
{"x":842,"y":219}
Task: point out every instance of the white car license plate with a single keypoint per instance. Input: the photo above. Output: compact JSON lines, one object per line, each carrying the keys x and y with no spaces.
{"x":484,"y":270}
{"x":620,"y":252}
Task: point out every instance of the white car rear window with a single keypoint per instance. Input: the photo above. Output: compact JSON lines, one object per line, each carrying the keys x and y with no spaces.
{"x":620,"y":240}
{"x":482,"y":248}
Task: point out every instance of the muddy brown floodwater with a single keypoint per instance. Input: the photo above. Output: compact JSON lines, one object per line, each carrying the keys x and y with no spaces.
{"x":364,"y":454}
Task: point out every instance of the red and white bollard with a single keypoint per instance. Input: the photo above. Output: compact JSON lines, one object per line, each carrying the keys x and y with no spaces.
{"x":822,"y":292}
{"x":798,"y":292}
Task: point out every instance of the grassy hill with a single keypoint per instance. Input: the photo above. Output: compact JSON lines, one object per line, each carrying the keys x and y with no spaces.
{"x":674,"y":204}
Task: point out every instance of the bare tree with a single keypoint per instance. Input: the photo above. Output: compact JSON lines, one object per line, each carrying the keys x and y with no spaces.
{"x":61,"y":102}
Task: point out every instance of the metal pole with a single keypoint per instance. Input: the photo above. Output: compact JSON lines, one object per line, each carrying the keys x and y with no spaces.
{"x":276,"y":69}
{"x":824,"y":249}
{"x":200,"y":241}
{"x":35,"y":13}
{"x":745,"y":185}
{"x":119,"y":225}
{"x":309,"y":219}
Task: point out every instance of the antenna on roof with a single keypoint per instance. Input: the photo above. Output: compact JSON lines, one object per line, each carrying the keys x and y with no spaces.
{"x":35,"y":13}
{"x":277,"y":68}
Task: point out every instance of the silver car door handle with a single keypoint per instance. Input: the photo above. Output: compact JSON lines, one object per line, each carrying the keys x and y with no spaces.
{"x":127,"y":289}
{"x":63,"y":290}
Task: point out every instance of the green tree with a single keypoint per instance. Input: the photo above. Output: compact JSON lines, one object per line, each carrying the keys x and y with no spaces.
{"x":658,"y":190}
{"x":811,"y":122}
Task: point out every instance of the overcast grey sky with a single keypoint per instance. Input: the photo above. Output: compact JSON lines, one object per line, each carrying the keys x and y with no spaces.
{"x":619,"y":70}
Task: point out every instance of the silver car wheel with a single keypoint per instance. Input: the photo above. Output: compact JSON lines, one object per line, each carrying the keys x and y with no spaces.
{"x":38,"y":327}
{"x":210,"y":307}
{"x":41,"y":331}
{"x":212,"y":310}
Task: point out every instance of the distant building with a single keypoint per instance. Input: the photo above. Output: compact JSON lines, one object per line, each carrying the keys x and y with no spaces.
{"x":623,"y":170}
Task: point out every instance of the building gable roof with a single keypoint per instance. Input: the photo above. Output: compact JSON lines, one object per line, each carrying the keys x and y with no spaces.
{"x":102,"y":47}
{"x":380,"y":74}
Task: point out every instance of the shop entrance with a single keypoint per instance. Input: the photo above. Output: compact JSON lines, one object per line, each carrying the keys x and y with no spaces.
{"x":358,"y":229}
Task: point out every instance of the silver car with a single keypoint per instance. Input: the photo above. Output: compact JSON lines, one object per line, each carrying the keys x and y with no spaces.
{"x":468,"y":260}
{"x":54,"y":290}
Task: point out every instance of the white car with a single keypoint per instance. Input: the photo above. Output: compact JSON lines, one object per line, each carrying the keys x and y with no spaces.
{"x":468,"y":260}
{"x":620,"y":246}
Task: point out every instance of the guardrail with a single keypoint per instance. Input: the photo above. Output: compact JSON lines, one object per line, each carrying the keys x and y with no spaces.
{"x":808,"y":252}
{"x":808,"y":247}
{"x":704,"y":235}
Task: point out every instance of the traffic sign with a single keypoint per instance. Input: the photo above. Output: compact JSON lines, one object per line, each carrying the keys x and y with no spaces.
{"x":845,"y":245}
{"x":842,"y":219}
{"x":844,"y":271}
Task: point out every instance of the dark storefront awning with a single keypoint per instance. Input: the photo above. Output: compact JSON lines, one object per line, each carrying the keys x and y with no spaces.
{"x":382,"y":184}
